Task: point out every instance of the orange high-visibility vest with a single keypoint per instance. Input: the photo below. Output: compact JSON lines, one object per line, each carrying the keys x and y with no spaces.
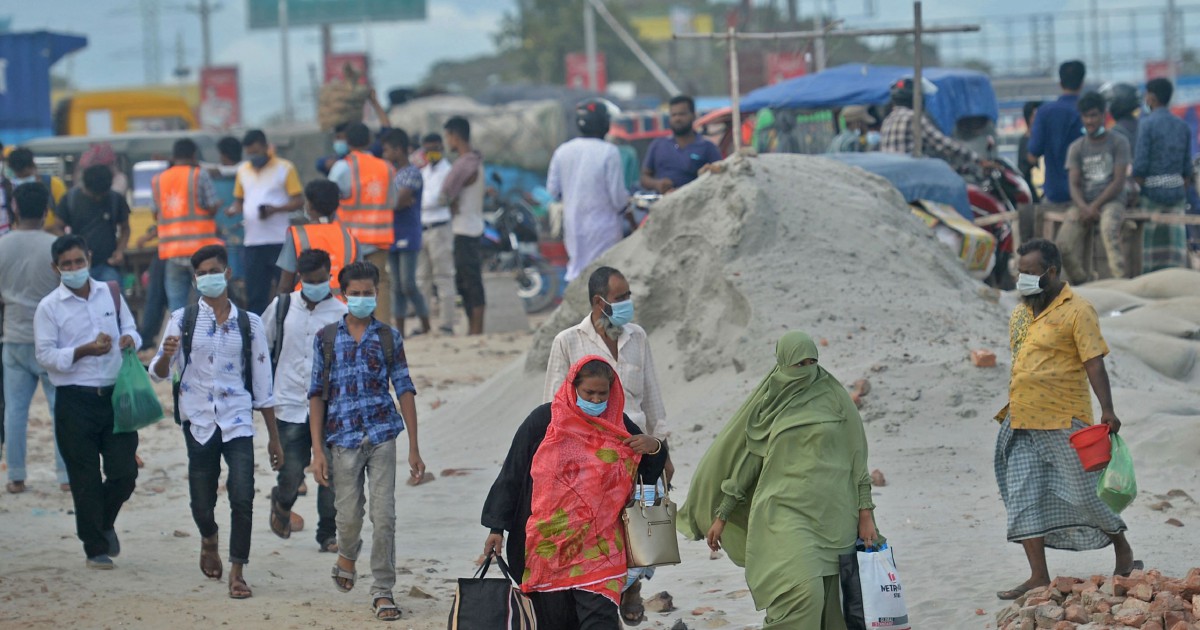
{"x":367,"y":213}
{"x":331,"y":238}
{"x":182,"y":227}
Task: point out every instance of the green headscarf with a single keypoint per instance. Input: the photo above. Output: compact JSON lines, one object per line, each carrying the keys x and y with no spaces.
{"x":791,"y":395}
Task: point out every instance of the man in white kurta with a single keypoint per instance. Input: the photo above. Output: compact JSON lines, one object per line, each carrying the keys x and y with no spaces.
{"x":586,"y":174}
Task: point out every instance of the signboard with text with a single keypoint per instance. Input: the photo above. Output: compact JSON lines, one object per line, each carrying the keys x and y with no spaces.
{"x":265,"y":13}
{"x":336,"y":64}
{"x":781,"y":66}
{"x":577,"y":72}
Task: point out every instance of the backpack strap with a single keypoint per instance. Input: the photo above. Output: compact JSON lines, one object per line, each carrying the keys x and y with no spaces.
{"x":115,"y":292}
{"x":283,"y":304}
{"x":187,"y":329}
{"x":243,"y":322}
{"x":388,"y":342}
{"x":328,"y":337}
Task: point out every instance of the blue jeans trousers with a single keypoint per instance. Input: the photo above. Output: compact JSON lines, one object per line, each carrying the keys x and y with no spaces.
{"x":21,"y":376}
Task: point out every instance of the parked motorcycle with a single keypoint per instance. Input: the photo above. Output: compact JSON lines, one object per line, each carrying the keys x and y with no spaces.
{"x":510,"y":243}
{"x":999,"y":190}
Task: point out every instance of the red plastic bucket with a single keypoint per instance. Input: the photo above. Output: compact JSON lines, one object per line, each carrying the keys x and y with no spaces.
{"x":1093,"y":447}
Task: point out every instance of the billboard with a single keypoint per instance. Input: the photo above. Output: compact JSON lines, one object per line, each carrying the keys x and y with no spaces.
{"x":220,"y":98}
{"x":577,"y":72}
{"x":265,"y":13}
{"x":781,"y":66}
{"x":335,"y":67}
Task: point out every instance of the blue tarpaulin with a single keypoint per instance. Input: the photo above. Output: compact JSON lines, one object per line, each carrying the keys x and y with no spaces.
{"x":959,"y":92}
{"x":915,"y":178}
{"x":25,"y":60}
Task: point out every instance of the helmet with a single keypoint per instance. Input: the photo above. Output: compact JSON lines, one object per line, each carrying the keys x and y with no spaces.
{"x":902,"y":90}
{"x":1122,"y":98}
{"x":594,"y":115}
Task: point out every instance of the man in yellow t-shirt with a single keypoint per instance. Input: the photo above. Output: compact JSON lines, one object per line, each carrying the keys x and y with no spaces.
{"x":1057,"y":351}
{"x":24,"y":170}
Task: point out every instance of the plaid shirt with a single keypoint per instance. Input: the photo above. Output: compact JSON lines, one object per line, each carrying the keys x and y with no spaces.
{"x":897,"y":137}
{"x":360,"y":403}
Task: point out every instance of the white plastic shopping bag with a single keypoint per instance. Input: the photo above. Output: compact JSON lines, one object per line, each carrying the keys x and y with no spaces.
{"x":872,"y":598}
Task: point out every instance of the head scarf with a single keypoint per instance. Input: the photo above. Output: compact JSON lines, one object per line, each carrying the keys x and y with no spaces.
{"x":790,"y":396}
{"x":582,"y":477}
{"x":101,"y":153}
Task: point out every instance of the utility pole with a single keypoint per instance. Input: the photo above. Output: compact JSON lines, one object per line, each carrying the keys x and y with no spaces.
{"x":1171,"y":26}
{"x":829,"y":31}
{"x":589,"y":46}
{"x":151,"y":48}
{"x":289,"y":113}
{"x":918,"y":92}
{"x":1095,"y":19}
{"x":819,"y":42}
{"x":204,"y":10}
{"x":637,"y":50}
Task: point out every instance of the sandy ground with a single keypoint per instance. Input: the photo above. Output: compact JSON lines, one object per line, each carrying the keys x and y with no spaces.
{"x":908,"y":329}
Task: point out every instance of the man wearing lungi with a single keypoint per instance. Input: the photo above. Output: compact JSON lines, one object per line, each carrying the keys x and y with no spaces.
{"x":1057,"y":350}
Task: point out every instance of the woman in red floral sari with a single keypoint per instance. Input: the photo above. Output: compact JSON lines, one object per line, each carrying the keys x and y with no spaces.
{"x":560,"y":494}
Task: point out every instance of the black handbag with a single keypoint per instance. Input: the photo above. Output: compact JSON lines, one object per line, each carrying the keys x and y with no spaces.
{"x":483,"y":603}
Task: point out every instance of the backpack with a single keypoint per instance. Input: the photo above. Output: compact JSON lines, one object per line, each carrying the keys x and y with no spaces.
{"x":329,"y":335}
{"x":190,"y":314}
{"x":282,"y":305}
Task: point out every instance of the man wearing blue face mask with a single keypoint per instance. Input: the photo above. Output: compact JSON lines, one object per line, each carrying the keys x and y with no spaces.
{"x":293,"y":320}
{"x":217,"y":356}
{"x":856,"y":138}
{"x":608,"y":331}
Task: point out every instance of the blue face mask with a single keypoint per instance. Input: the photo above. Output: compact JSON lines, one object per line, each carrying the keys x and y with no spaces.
{"x":314,"y":292}
{"x":589,"y":407}
{"x":361,"y":306}
{"x":75,"y":279}
{"x":622,"y":312}
{"x":1099,"y":132}
{"x":873,"y":138}
{"x":340,"y":147}
{"x":211,"y":285}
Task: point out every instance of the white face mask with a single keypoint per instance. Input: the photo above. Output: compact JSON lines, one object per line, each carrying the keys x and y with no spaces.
{"x":1028,"y":285}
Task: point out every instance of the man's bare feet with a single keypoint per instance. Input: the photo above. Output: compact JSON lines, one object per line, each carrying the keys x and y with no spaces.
{"x":1031,"y":583}
{"x":1125,"y":562}
{"x":210,"y":558}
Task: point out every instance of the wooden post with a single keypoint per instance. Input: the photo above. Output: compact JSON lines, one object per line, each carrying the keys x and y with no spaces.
{"x":735,"y":91}
{"x":918,"y":91}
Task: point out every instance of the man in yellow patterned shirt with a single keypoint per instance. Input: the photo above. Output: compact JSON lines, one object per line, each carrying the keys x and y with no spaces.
{"x":1057,"y":350}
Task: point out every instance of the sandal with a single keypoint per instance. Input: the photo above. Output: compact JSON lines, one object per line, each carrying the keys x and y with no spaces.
{"x":1015,"y":593}
{"x":238,"y":589}
{"x":281,"y":519}
{"x":15,"y":487}
{"x":633,"y":609}
{"x":383,"y":611}
{"x":341,"y":574}
{"x":1137,"y":565}
{"x":210,"y":559}
{"x":329,"y":546}
{"x":302,"y":491}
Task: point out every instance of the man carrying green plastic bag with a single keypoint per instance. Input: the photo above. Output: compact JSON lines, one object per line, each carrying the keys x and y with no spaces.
{"x":135,"y":405}
{"x":1118,"y":487}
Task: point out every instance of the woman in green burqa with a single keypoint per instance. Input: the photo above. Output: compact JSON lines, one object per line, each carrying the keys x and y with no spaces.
{"x":785,"y":488}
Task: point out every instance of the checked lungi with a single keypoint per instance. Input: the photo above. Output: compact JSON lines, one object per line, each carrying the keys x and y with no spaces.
{"x":1164,"y":245}
{"x":1047,"y":493}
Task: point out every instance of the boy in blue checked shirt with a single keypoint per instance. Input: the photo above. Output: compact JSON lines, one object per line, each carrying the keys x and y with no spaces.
{"x":351,"y":409}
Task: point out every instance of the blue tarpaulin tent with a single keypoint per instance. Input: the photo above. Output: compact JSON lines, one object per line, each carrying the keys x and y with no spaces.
{"x":959,"y":92}
{"x":25,"y":60}
{"x":916,"y":178}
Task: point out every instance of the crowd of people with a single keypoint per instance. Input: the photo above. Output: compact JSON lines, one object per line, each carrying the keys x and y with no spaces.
{"x":316,"y":348}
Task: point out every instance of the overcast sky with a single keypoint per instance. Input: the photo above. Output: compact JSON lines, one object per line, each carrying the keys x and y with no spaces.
{"x":401,"y":51}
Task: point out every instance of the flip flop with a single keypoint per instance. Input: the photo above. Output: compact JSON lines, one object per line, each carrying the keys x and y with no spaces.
{"x":280,"y":519}
{"x":329,"y":546}
{"x":1015,"y":593}
{"x":341,"y":574}
{"x":633,"y":610}
{"x":378,"y":608}
{"x":241,"y":593}
{"x":15,"y":487}
{"x":210,"y":560}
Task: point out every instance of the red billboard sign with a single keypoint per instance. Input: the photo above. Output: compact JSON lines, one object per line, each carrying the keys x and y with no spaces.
{"x":782,"y":66}
{"x":336,"y":64}
{"x":577,"y":72}
{"x":1160,"y":69}
{"x":220,"y":98}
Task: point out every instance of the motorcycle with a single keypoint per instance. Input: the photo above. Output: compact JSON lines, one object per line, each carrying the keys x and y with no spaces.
{"x":997,"y":191}
{"x":510,"y":243}
{"x":638,"y":212}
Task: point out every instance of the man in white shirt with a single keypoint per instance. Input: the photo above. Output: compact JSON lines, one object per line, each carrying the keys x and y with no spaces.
{"x":267,"y":190}
{"x":26,"y":276}
{"x":307,"y":312}
{"x":435,"y":267}
{"x":608,"y":332}
{"x":74,"y":328}
{"x":220,"y":380}
{"x":586,"y":174}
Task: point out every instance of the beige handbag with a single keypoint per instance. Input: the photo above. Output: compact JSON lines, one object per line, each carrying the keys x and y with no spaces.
{"x":650,"y":538}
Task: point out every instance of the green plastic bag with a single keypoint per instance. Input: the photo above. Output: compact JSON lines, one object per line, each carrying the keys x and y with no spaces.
{"x":135,"y":405}
{"x":1118,"y":487}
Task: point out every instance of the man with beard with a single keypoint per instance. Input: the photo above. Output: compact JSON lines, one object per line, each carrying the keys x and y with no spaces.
{"x":674,"y":162}
{"x":1057,"y":350}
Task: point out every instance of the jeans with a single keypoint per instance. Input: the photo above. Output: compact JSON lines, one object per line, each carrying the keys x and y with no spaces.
{"x":403,"y":267}
{"x":296,"y":440}
{"x":83,"y":422}
{"x":204,"y":470}
{"x":156,"y":302}
{"x":105,"y":273}
{"x":21,"y":375}
{"x":177,"y":280}
{"x":435,"y":268}
{"x":650,"y":497}
{"x":352,"y":467}
{"x":237,"y":261}
{"x":468,"y":271}
{"x":261,"y":275}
